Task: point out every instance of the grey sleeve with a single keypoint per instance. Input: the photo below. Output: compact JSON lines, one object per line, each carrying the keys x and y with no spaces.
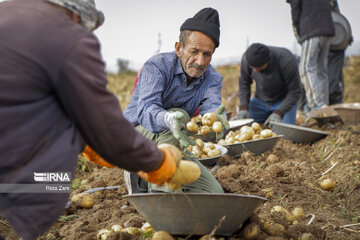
{"x":245,"y":82}
{"x":295,"y":14}
{"x":290,"y":73}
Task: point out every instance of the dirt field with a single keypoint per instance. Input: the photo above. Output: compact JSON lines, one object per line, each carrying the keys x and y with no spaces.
{"x":289,"y":178}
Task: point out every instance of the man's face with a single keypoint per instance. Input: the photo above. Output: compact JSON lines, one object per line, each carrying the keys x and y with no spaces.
{"x":261,"y":68}
{"x":196,"y":55}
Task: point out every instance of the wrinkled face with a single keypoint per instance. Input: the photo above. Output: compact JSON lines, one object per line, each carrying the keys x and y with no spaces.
{"x":261,"y":68}
{"x":196,"y":55}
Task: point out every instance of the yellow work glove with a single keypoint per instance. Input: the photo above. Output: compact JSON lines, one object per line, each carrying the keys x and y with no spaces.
{"x":173,"y":171}
{"x":93,"y":157}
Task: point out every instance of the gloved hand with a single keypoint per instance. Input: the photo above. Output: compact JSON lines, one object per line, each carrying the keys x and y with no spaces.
{"x":173,"y":171}
{"x":93,"y":157}
{"x":222,"y":118}
{"x":274,"y":117}
{"x":242,"y":114}
{"x":173,"y":121}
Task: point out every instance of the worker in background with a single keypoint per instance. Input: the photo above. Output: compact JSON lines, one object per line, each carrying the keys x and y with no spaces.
{"x":314,"y":26}
{"x":172,"y":86}
{"x":275,"y":71}
{"x":336,"y":60}
{"x":53,"y":101}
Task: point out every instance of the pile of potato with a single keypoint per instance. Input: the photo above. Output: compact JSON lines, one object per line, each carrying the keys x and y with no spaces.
{"x":247,"y":133}
{"x":204,"y":150}
{"x":204,"y":124}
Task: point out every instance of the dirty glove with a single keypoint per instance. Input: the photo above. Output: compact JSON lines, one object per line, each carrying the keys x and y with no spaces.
{"x":222,"y":118}
{"x":274,"y":117}
{"x":242,"y":114}
{"x":173,"y":121}
{"x":173,"y":171}
{"x":93,"y":157}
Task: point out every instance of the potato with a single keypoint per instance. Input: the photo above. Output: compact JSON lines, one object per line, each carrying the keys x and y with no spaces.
{"x":246,"y":133}
{"x":214,"y":153}
{"x":204,"y":130}
{"x":84,"y":200}
{"x":209,"y":118}
{"x":217,"y":127}
{"x":266,"y":133}
{"x":229,"y":140}
{"x":328,"y":184}
{"x":196,"y":119}
{"x":174,"y":151}
{"x":255,"y":126}
{"x":192,"y":127}
{"x":186,"y":172}
{"x":251,"y":231}
{"x":189,"y":148}
{"x":298,"y":213}
{"x":161,"y":235}
{"x":116,"y":228}
{"x":103,"y":234}
{"x":204,"y":156}
{"x":196,"y":152}
{"x":289,"y":216}
{"x":256,"y":137}
{"x":132,"y":230}
{"x":147,"y":227}
{"x":199,"y":142}
{"x":274,"y":229}
{"x":221,"y":142}
{"x":230,"y":134}
{"x":210,"y":145}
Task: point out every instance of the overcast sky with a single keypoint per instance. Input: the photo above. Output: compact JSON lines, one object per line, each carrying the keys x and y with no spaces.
{"x":132,"y":27}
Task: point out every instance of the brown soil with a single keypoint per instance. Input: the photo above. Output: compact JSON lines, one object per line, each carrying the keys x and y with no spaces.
{"x":287,"y":176}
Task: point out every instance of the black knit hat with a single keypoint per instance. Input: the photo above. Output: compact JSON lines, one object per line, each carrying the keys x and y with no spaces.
{"x":205,"y":21}
{"x":257,"y":54}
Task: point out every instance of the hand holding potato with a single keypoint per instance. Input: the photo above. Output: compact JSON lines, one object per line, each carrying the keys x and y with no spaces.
{"x":174,"y":171}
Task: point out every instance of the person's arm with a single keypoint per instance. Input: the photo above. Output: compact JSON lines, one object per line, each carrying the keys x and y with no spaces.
{"x":212,"y":97}
{"x":245,"y":82}
{"x":81,"y":87}
{"x":151,"y":85}
{"x":295,"y":14}
{"x":290,"y":73}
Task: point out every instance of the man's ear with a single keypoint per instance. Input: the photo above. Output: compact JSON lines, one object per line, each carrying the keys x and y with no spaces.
{"x":178,"y":48}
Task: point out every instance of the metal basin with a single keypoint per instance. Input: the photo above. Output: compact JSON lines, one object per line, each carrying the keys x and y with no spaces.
{"x":256,"y":146}
{"x":349,"y":115}
{"x":212,"y":161}
{"x":234,"y":125}
{"x":195,"y":213}
{"x":326,"y":114}
{"x":298,"y":134}
{"x":349,"y":112}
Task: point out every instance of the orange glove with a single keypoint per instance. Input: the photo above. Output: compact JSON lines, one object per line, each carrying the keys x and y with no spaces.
{"x":93,"y":157}
{"x":165,"y":172}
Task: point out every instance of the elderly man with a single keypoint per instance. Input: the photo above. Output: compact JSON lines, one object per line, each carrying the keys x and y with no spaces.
{"x":275,"y":72}
{"x":173,"y":85}
{"x":53,"y":101}
{"x":314,"y":26}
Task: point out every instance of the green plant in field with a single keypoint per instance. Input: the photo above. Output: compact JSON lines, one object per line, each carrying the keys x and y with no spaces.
{"x":64,"y":218}
{"x":77,"y":183}
{"x":83,"y":163}
{"x":148,"y":235}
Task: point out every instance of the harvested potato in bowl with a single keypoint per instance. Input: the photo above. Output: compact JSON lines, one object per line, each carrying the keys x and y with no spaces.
{"x":247,"y":133}
{"x":203,"y":149}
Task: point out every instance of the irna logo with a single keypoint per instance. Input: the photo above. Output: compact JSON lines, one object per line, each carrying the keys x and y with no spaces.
{"x":52,"y":177}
